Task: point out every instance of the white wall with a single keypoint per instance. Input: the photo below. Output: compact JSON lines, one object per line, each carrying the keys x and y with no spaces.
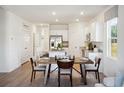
{"x":121,"y":38}
{"x":76,"y":38}
{"x":59,"y":27}
{"x":3,"y":62}
{"x":11,"y":37}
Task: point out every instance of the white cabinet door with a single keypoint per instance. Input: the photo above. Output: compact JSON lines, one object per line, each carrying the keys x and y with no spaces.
{"x":97,"y":29}
{"x":93,"y":31}
{"x":99,"y":32}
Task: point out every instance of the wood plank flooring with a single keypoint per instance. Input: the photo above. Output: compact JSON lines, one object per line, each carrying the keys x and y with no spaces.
{"x":21,"y":78}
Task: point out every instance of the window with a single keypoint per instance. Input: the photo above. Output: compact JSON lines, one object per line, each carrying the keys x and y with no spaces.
{"x":55,"y":42}
{"x":112,"y":38}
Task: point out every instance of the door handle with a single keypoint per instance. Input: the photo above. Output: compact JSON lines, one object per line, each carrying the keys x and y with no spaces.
{"x":26,"y":48}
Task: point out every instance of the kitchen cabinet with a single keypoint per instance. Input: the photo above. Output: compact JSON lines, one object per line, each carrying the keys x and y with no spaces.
{"x":96,"y":30}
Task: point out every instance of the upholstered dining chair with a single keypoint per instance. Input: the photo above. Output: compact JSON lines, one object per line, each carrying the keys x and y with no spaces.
{"x":65,"y":68}
{"x":36,"y":68}
{"x":93,"y":68}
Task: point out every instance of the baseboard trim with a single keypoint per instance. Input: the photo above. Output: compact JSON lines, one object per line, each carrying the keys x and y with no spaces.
{"x":24,"y":63}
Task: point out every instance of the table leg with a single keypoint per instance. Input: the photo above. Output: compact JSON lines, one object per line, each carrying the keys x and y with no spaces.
{"x":81,"y":70}
{"x":76,"y":70}
{"x":46,"y":74}
{"x":85,"y":79}
{"x":54,"y":70}
{"x":49,"y":70}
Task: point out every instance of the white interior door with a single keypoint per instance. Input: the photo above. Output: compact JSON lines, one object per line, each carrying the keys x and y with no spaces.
{"x":26,"y":42}
{"x":41,"y":40}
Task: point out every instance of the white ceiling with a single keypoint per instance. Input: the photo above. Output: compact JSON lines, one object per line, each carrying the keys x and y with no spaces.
{"x":64,"y":13}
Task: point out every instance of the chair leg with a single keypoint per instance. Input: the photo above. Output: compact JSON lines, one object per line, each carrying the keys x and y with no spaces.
{"x":32,"y":76}
{"x":71,"y":80}
{"x":85,"y":73}
{"x":58,"y":78}
{"x":96,"y":74}
{"x":49,"y":70}
{"x":81,"y":70}
{"x":85,"y":78}
{"x":98,"y":77}
{"x":44,"y":72}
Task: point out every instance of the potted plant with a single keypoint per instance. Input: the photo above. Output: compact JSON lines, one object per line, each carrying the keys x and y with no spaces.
{"x":59,"y":46}
{"x":90,"y":46}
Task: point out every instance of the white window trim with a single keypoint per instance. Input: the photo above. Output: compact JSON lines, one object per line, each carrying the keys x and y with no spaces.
{"x":109,"y":24}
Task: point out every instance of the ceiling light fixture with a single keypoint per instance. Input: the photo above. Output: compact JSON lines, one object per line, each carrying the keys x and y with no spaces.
{"x":81,"y":13}
{"x":77,"y":20}
{"x":53,"y":13}
{"x":57,"y":20}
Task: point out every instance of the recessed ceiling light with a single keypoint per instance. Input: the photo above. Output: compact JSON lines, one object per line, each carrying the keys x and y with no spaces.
{"x":81,"y":13}
{"x":77,"y":20}
{"x":57,"y":20}
{"x":53,"y":13}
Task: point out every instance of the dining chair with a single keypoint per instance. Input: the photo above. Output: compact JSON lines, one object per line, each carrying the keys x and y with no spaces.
{"x":36,"y":68}
{"x":65,"y":68}
{"x":64,"y":57}
{"x":93,"y":68}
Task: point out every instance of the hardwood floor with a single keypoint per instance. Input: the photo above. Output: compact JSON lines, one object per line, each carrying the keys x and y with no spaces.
{"x":21,"y":78}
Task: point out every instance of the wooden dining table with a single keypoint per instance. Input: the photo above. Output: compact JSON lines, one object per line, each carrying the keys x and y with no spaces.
{"x":51,"y":60}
